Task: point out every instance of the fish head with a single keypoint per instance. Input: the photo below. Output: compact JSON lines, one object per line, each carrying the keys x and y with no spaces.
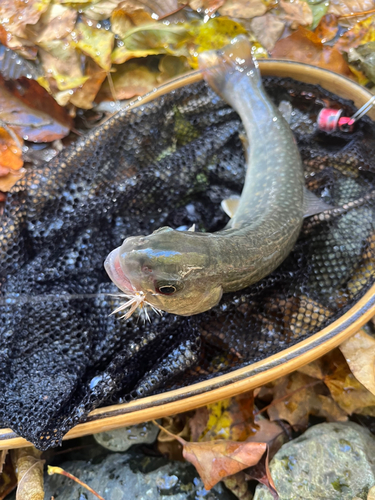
{"x":168,"y":268}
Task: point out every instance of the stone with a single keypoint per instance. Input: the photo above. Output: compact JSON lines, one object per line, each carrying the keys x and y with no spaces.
{"x":330,"y":461}
{"x":132,"y":475}
{"x":123,"y":438}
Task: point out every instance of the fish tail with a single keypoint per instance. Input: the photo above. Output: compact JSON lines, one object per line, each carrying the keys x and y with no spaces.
{"x":221,"y":68}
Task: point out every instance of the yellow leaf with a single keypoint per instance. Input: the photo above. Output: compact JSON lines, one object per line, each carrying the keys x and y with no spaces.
{"x":29,"y":471}
{"x":371,"y":494}
{"x":84,"y":96}
{"x":361,"y":33}
{"x":95,"y":43}
{"x":359,"y":352}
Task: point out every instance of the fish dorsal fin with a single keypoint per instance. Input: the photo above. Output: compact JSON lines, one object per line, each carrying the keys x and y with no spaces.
{"x":230,"y":205}
{"x":312,"y":204}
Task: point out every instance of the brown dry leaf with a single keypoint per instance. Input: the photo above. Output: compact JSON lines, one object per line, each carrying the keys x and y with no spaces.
{"x":57,"y":22}
{"x":361,"y":33}
{"x":297,"y":12}
{"x":29,"y":471}
{"x":345,"y":7}
{"x":243,"y":9}
{"x":16,"y":14}
{"x":230,"y":419}
{"x":267,"y":29}
{"x":129,"y":80}
{"x":215,"y":460}
{"x":359,"y":352}
{"x":261,"y":472}
{"x":304,"y":46}
{"x":101,"y":9}
{"x":327,"y":28}
{"x":345,"y":389}
{"x":296,"y":396}
{"x":198,"y":422}
{"x":84,"y":96}
{"x":129,"y":14}
{"x":208,"y":6}
{"x":167,"y":444}
{"x":171,"y":66}
{"x":95,"y":43}
{"x":31,"y":112}
{"x":25,"y":48}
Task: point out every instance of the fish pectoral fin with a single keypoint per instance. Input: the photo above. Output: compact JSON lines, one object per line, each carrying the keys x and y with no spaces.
{"x":312,"y":204}
{"x":230,"y":205}
{"x":245,"y":145}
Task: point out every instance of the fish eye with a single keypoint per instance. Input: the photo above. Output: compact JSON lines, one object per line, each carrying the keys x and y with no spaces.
{"x":166,"y":288}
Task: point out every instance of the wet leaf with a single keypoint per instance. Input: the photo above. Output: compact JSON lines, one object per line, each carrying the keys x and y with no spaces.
{"x":345,"y":7}
{"x":305,"y":46}
{"x":208,"y":6}
{"x":245,"y":9}
{"x":129,"y":80}
{"x":58,"y":470}
{"x":198,"y":422}
{"x":215,"y":460}
{"x":359,"y":352}
{"x":261,"y":472}
{"x":16,"y":14}
{"x":267,"y":29}
{"x":214,"y":34}
{"x":128,"y":15}
{"x":176,"y":425}
{"x":152,"y":39}
{"x":29,"y":471}
{"x":230,"y":419}
{"x":84,"y":96}
{"x":31,"y":112}
{"x":95,"y":43}
{"x":10,"y":149}
{"x":57,"y":22}
{"x":238,"y":485}
{"x":318,"y":9}
{"x":361,"y":33}
{"x":365,"y":55}
{"x":297,"y":12}
{"x":327,"y":28}
{"x":100,"y":10}
{"x":297,"y":396}
{"x":171,"y":66}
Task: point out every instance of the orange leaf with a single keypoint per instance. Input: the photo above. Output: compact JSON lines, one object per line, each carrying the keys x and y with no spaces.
{"x":327,"y":28}
{"x":215,"y":460}
{"x":10,"y":150}
{"x":361,"y":33}
{"x":305,"y":46}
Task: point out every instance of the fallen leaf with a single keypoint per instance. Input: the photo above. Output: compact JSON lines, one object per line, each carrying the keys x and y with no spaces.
{"x":9,"y":177}
{"x":127,"y":15}
{"x":84,"y":96}
{"x":327,"y":28}
{"x":371,"y":494}
{"x":3,"y":455}
{"x":230,"y":419}
{"x":359,"y":352}
{"x":305,"y":46}
{"x":16,"y":14}
{"x":238,"y":485}
{"x":129,"y":80}
{"x":58,"y":470}
{"x":214,"y":34}
{"x":24,"y":47}
{"x":361,"y":33}
{"x":271,"y":433}
{"x":100,"y":10}
{"x":10,"y":150}
{"x":31,"y":112}
{"x":55,"y":23}
{"x":171,"y":66}
{"x":208,"y":6}
{"x":318,"y":9}
{"x":95,"y":43}
{"x":267,"y":29}
{"x":8,"y":480}
{"x":215,"y":460}
{"x":245,"y":9}
{"x":198,"y":422}
{"x":365,"y":56}
{"x":261,"y":473}
{"x":345,"y":7}
{"x":298,"y":12}
{"x":168,"y":445}
{"x":29,"y":471}
{"x":296,"y":396}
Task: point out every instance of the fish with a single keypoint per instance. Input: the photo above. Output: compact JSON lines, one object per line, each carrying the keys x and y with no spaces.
{"x":186,"y":272}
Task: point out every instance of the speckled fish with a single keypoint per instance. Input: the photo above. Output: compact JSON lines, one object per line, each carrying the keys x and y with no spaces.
{"x":185,"y":272}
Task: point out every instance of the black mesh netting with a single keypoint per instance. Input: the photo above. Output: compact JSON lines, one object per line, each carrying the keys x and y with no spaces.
{"x":170,"y":162}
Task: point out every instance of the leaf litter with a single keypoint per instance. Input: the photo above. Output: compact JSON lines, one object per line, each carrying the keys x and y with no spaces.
{"x":92,"y":51}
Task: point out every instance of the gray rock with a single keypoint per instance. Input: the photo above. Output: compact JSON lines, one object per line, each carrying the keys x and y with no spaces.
{"x":132,"y":476}
{"x":122,"y":439}
{"x":333,"y":461}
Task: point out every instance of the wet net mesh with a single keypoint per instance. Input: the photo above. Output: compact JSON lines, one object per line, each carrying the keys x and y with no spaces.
{"x":169,"y":162}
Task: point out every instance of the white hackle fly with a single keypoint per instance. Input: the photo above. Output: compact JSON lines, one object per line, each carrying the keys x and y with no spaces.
{"x":136,"y":299}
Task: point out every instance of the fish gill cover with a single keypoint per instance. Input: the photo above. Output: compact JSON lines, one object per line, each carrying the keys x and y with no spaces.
{"x":169,"y":162}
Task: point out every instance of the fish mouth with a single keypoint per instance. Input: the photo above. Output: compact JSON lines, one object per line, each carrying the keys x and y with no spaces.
{"x":113,"y":268}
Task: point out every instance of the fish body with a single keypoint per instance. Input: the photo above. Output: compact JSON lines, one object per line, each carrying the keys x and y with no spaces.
{"x":185,"y":272}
